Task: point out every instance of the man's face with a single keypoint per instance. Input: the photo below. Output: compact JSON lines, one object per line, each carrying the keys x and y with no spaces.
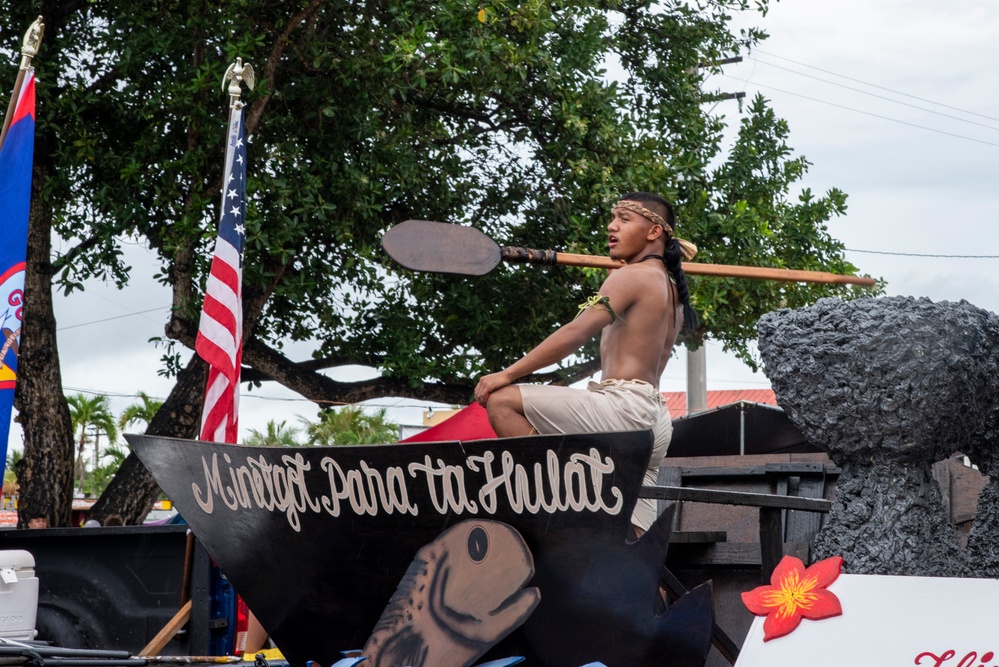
{"x":38,"y":522}
{"x":628,"y":234}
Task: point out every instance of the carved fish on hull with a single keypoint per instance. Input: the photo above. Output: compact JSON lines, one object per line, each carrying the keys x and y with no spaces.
{"x":461,"y":595}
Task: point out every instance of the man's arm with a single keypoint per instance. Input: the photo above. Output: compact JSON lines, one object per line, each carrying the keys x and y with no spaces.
{"x":566,"y":339}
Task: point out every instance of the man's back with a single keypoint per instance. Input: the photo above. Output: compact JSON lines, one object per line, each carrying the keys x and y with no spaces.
{"x":638,"y":343}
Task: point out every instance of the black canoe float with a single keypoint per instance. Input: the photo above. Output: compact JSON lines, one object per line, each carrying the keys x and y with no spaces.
{"x":439,"y":554}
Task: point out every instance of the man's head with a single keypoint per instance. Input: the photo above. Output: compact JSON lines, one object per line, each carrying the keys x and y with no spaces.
{"x":636,"y":230}
{"x":661,"y":210}
{"x":660,"y":214}
{"x":38,"y":521}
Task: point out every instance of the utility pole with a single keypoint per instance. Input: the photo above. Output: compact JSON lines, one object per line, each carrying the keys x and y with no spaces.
{"x":697,"y":380}
{"x":697,"y":363}
{"x":97,"y":446}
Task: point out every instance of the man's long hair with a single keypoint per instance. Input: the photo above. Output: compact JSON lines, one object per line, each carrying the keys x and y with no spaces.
{"x":671,"y":255}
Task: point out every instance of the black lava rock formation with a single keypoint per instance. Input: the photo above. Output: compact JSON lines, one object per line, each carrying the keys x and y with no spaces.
{"x":888,"y":386}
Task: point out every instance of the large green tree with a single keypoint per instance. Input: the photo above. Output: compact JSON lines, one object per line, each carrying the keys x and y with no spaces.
{"x":524,"y":119}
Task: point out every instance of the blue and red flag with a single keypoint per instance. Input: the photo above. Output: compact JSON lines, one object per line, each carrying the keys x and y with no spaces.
{"x":15,"y":197}
{"x":220,"y":332}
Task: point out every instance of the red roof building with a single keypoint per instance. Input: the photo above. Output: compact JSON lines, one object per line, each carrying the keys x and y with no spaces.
{"x":676,"y":401}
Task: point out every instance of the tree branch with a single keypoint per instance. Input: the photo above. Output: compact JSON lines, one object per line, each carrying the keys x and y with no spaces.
{"x":80,"y":248}
{"x":249,"y":374}
{"x":270,"y":67}
{"x":270,"y":364}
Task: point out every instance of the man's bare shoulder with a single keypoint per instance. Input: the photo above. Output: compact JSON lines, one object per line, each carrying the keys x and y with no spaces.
{"x":632,"y":276}
{"x":634,"y":284}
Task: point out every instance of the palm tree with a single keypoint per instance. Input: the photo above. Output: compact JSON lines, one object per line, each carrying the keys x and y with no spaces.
{"x":101,"y":476}
{"x":351,"y":425}
{"x":13,"y":456}
{"x":277,"y":435}
{"x":140,"y":412}
{"x":86,"y":413}
{"x":10,"y":473}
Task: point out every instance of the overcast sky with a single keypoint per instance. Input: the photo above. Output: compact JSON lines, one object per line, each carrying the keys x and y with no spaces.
{"x":895,"y":102}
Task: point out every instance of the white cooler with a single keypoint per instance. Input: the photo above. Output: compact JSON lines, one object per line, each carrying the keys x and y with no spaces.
{"x":18,"y":595}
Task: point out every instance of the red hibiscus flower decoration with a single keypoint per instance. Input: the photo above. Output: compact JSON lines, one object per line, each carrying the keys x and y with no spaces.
{"x":795,"y":593}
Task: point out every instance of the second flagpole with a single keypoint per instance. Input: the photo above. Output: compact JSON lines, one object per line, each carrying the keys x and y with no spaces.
{"x":29,"y":48}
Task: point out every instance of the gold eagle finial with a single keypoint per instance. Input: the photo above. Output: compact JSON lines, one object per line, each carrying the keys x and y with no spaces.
{"x":236,"y":74}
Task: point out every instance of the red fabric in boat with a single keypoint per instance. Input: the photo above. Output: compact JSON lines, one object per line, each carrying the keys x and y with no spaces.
{"x":471,"y":423}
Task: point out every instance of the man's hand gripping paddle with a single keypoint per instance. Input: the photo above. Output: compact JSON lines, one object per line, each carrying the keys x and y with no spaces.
{"x":438,"y":247}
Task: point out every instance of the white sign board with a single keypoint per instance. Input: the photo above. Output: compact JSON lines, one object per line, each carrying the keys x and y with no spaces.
{"x":891,"y":622}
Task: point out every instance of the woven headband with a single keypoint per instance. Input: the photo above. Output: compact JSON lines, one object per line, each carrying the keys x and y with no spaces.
{"x":687,"y":249}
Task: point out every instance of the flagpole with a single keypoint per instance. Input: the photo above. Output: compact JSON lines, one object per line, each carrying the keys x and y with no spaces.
{"x":29,"y":48}
{"x":220,"y":330}
{"x":235,"y":75}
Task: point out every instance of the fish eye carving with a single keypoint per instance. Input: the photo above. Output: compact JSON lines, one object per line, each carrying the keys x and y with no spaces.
{"x":478,"y":544}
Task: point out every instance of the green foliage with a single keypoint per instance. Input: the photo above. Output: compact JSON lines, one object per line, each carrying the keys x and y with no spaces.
{"x":9,"y":471}
{"x":750,"y":217}
{"x":339,"y":426}
{"x":92,"y":412}
{"x":523,"y":119}
{"x":350,"y":425}
{"x":141,"y":412}
{"x":110,"y":461}
{"x":277,"y":434}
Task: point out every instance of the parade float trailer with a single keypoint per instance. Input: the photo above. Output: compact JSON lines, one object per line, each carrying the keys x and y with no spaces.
{"x":890,"y":395}
{"x":320,"y":571}
{"x":744,"y":486}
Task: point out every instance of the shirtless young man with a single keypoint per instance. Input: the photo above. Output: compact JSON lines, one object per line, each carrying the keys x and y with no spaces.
{"x":638,"y":311}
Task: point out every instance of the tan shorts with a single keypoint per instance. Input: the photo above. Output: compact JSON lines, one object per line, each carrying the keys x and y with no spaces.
{"x":611,"y":405}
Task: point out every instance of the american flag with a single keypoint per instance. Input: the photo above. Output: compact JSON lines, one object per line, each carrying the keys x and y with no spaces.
{"x":220,"y":333}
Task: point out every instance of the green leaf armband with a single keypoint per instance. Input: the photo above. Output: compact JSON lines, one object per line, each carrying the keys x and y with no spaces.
{"x":599,"y":301}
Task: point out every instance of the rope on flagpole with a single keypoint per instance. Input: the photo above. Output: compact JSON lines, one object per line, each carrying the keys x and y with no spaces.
{"x":29,"y":49}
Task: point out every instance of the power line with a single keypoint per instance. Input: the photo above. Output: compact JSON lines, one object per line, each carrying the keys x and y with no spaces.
{"x":276,"y":399}
{"x":109,"y":394}
{"x":880,"y":97}
{"x":874,"y":85}
{"x":116,"y":317}
{"x":918,"y":254}
{"x":868,"y":113}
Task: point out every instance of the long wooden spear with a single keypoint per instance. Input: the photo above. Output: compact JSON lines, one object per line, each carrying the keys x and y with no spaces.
{"x":29,"y":48}
{"x":423,"y":245}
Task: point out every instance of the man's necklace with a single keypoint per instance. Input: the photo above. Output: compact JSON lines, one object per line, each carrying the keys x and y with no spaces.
{"x":661,"y":259}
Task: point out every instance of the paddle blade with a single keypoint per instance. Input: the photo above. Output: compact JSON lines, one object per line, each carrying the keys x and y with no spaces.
{"x":438,"y":247}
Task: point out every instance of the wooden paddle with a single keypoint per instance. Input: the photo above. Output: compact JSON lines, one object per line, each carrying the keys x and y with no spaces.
{"x":422,"y":245}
